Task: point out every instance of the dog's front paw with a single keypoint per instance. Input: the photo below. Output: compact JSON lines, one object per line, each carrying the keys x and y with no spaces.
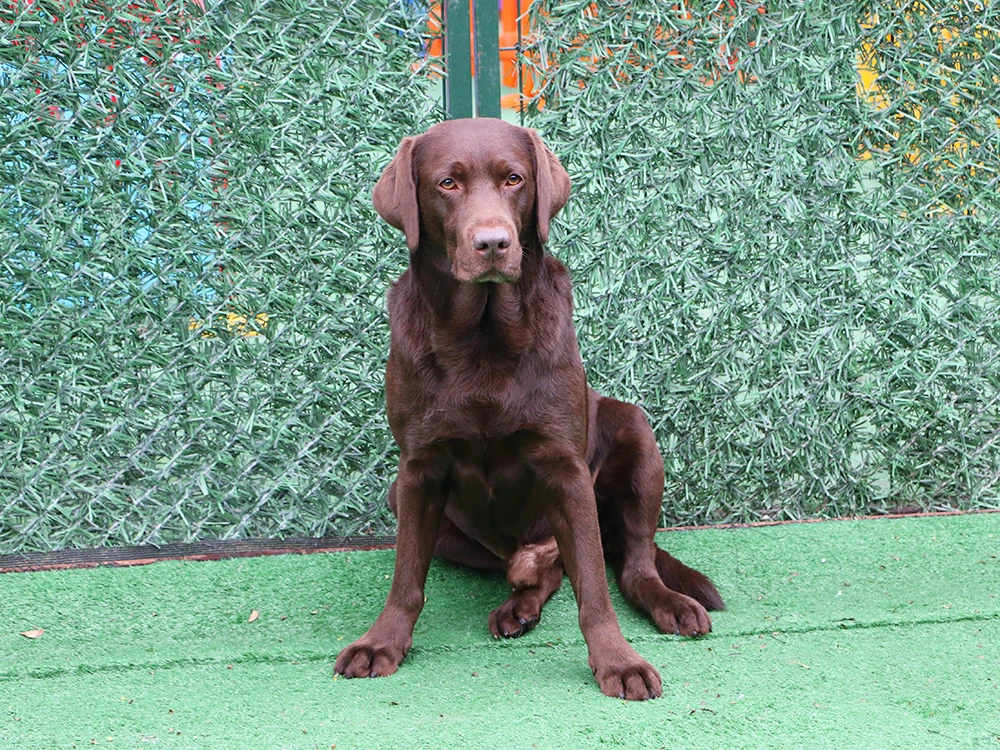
{"x":629,"y":676}
{"x":366,"y":658}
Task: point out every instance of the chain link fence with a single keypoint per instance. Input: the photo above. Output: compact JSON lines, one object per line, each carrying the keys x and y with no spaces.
{"x":191,"y":323}
{"x":783,"y":232}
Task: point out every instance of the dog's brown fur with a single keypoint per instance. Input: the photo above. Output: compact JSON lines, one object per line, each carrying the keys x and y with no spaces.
{"x":504,"y":450}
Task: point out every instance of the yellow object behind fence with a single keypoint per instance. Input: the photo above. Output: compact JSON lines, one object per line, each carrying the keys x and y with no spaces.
{"x":956,"y":47}
{"x":236,"y":324}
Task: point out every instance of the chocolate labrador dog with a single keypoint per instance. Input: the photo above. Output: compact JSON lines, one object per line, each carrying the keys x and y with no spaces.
{"x":508,"y":460}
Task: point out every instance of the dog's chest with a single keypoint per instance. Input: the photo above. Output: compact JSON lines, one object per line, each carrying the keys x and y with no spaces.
{"x":489,"y":482}
{"x":482,"y":403}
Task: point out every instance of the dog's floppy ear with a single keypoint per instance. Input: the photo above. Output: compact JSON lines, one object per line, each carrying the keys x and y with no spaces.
{"x":551,"y":186}
{"x":395,"y":194}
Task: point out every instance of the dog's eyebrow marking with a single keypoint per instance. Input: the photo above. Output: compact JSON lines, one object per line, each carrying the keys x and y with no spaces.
{"x":456,"y":169}
{"x":506,"y":166}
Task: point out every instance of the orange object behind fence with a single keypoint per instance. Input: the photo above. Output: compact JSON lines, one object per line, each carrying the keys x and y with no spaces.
{"x":524,"y":88}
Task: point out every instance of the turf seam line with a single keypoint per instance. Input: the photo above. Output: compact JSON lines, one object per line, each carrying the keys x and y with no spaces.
{"x":648,"y":638}
{"x":843,"y":625}
{"x":564,"y":645}
{"x":42,"y":673}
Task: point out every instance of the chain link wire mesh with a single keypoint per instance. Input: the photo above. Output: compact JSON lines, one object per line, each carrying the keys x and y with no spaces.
{"x":783,"y":232}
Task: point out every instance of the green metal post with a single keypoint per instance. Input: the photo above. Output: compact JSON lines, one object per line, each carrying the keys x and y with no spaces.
{"x":458,"y":82}
{"x":487,"y":58}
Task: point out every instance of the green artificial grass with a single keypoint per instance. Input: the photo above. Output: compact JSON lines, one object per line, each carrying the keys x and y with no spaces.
{"x":859,"y":634}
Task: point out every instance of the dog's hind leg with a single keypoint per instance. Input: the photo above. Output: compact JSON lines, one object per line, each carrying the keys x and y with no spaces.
{"x":629,"y":490}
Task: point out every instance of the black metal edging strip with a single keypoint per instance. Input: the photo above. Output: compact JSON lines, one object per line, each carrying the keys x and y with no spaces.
{"x":220,"y":550}
{"x":206,"y":550}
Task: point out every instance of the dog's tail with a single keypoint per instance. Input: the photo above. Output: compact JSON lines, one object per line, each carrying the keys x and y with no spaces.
{"x":679,"y":577}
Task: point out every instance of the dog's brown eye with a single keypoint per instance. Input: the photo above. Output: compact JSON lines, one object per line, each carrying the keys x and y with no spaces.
{"x":448,"y":184}
{"x":515,"y":179}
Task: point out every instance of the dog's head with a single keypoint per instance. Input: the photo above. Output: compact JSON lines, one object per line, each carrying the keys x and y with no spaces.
{"x":475,"y":192}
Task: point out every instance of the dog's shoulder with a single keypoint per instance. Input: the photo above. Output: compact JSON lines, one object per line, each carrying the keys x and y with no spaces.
{"x":405,"y":301}
{"x":557,"y":290}
{"x":410,"y":319}
{"x":558,"y":276}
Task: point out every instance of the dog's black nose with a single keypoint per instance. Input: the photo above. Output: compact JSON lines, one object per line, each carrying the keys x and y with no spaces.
{"x":492,"y":243}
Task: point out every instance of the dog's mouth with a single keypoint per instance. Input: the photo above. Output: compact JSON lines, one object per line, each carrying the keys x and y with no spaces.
{"x":493,"y":276}
{"x":480,"y":271}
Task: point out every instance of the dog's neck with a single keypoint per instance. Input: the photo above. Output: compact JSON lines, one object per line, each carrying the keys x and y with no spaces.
{"x":488,"y":320}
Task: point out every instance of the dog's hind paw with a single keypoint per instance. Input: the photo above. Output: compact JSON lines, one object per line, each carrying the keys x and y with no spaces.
{"x":516,"y":616}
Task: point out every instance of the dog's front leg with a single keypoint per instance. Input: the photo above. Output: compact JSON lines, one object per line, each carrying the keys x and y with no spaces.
{"x":572,"y":511}
{"x":420,"y":506}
